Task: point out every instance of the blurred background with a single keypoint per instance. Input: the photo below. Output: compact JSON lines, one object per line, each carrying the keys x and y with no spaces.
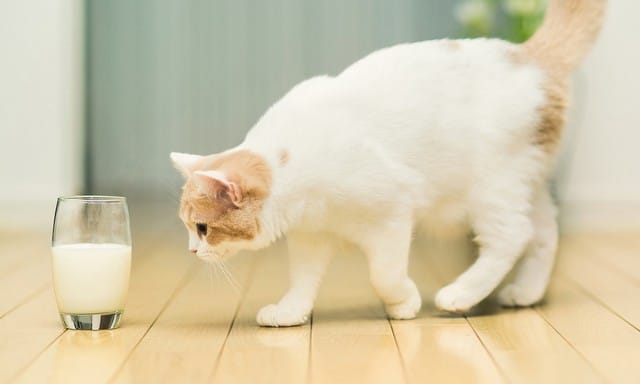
{"x":95,"y":94}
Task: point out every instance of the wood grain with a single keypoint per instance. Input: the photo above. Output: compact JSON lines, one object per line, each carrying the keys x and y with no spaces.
{"x":183,"y":325}
{"x":523,"y":345}
{"x":185,"y":341}
{"x":25,"y":270}
{"x":351,"y":338}
{"x":254,"y":354}
{"x":435,"y":345}
{"x":155,"y":276}
{"x":608,"y":286}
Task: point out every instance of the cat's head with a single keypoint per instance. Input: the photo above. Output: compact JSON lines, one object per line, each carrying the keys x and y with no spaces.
{"x":222,"y":201}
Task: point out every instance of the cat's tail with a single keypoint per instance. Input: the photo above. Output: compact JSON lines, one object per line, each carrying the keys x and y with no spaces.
{"x":569,"y":29}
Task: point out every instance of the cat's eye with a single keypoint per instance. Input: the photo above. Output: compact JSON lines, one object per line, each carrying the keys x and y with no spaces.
{"x":202,"y":229}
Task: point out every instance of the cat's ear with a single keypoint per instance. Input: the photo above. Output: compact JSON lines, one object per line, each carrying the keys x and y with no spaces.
{"x":217,"y":186}
{"x":185,"y":163}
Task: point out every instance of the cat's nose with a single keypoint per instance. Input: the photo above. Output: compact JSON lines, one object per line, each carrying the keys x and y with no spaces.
{"x":193,"y":250}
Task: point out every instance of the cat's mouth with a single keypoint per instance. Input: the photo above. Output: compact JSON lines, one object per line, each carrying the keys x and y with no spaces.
{"x":213,"y":257}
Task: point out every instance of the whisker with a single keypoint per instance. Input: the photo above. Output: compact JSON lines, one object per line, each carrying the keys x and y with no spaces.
{"x":226,"y":266}
{"x":232,"y":281}
{"x":211,"y":272}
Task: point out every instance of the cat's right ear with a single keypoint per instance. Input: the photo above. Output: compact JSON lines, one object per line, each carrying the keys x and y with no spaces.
{"x":185,"y":163}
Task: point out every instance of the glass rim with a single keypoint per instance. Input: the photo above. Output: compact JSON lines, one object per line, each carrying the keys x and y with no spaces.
{"x":93,"y":198}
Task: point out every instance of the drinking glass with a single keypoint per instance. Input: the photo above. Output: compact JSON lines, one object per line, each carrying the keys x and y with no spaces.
{"x":91,"y":260}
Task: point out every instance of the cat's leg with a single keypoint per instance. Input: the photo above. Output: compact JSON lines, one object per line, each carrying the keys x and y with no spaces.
{"x":309,"y":255}
{"x":501,"y":223}
{"x":387,"y":250}
{"x":534,"y":270}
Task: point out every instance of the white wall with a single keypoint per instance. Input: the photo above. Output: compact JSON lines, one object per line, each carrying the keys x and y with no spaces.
{"x":40,"y":106}
{"x":599,"y":175}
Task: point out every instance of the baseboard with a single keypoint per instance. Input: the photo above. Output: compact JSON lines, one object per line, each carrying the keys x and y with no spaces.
{"x":599,"y":217}
{"x":32,"y":215}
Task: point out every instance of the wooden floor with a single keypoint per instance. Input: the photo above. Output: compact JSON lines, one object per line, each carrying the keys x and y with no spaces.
{"x":185,"y":323}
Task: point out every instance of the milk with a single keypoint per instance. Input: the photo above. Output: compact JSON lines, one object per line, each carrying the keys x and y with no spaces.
{"x":91,"y":278}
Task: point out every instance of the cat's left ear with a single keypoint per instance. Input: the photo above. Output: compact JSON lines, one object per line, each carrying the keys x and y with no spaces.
{"x":217,"y":186}
{"x":185,"y":163}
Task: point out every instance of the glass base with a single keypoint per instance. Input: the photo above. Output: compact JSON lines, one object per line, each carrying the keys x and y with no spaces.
{"x":92,"y":321}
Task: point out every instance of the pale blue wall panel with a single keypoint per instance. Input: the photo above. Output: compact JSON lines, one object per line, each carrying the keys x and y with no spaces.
{"x":194,"y":76}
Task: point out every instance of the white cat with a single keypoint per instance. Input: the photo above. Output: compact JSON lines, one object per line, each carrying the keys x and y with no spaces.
{"x":455,"y":132}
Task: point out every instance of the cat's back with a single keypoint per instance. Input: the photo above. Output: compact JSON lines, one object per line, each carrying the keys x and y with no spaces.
{"x":471,"y":72}
{"x":433,"y":58}
{"x":444,"y":93}
{"x":438,"y":94}
{"x":408,"y":113}
{"x":430,"y":85}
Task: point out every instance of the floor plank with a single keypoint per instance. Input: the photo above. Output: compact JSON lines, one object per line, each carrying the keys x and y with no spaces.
{"x":610,"y":344}
{"x":155,"y":276}
{"x":608,"y":286}
{"x":26,"y":332}
{"x":29,"y":324}
{"x":528,"y":350}
{"x":437,"y":348}
{"x":618,"y":252}
{"x":181,"y":325}
{"x":27,"y":271}
{"x":524,"y":346}
{"x":185,"y":341}
{"x":28,"y":320}
{"x":264,"y":355}
{"x":16,"y":251}
{"x":443,"y":350}
{"x":351,"y":339}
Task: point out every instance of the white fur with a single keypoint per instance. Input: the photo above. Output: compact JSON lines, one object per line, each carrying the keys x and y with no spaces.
{"x":423,"y":132}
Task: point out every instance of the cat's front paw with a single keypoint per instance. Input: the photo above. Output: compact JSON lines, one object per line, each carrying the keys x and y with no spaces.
{"x":514,"y":295}
{"x":455,"y":298}
{"x":406,"y":309}
{"x":278,"y":315}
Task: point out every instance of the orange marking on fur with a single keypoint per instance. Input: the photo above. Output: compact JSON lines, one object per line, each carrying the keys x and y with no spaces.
{"x":453,"y":45}
{"x":226,"y":222}
{"x":283,"y":159}
{"x":551,"y":114}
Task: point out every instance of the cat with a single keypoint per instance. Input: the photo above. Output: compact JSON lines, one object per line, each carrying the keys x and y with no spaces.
{"x":453,"y":132}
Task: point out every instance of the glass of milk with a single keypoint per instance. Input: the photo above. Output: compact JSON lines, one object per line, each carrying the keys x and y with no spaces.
{"x":91,"y":249}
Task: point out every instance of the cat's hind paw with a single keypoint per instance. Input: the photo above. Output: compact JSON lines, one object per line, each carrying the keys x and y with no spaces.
{"x":455,"y":298}
{"x":513,"y":295}
{"x":276,"y":315}
{"x":406,"y":309}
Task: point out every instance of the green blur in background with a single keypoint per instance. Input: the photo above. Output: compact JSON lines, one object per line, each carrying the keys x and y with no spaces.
{"x":513,"y":20}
